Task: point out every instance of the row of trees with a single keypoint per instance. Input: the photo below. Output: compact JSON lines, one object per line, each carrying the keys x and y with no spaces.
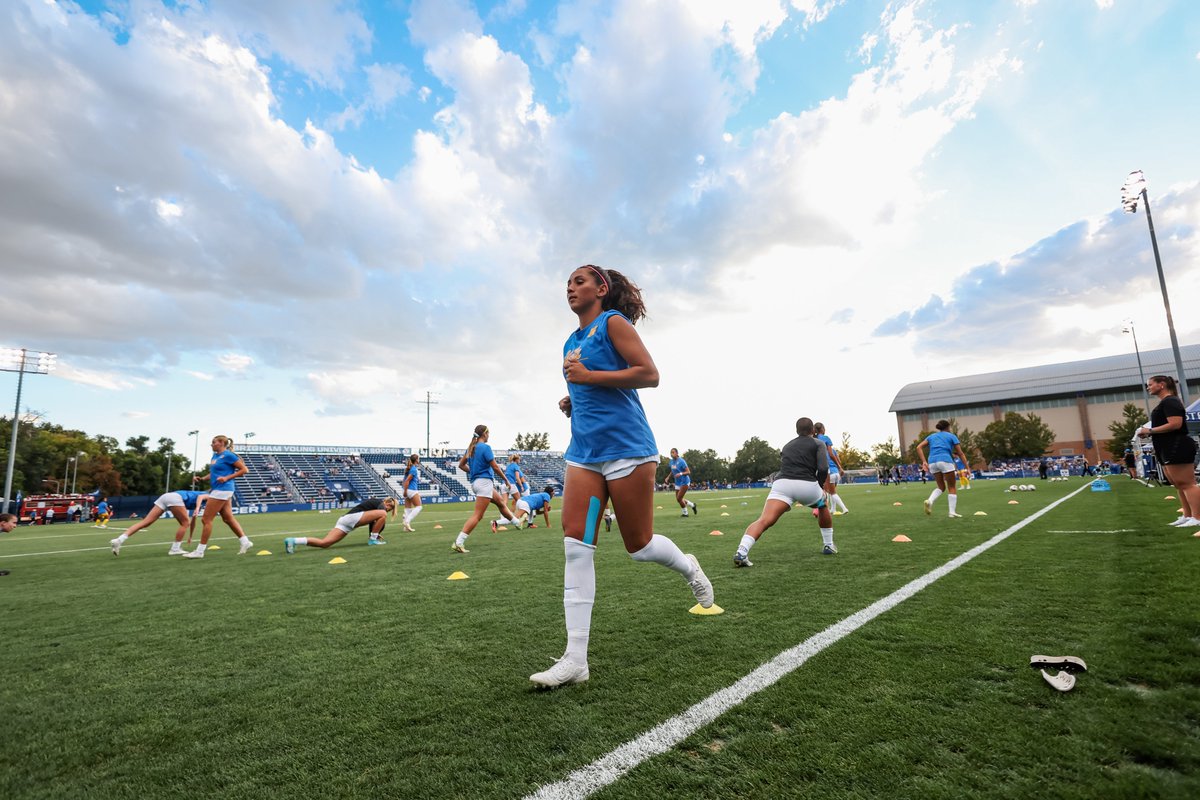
{"x":45,"y":453}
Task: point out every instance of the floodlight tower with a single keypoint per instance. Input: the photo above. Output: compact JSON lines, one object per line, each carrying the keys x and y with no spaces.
{"x":1133,"y":191}
{"x":20,"y":361}
{"x":1128,"y":328}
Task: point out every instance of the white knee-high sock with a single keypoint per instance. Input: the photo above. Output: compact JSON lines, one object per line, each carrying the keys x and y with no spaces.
{"x":413,"y":512}
{"x":953,"y":500}
{"x":662,"y":550}
{"x":934,"y":495}
{"x":747,"y":542}
{"x":837,"y":500}
{"x":579,"y":594}
{"x":826,"y":535}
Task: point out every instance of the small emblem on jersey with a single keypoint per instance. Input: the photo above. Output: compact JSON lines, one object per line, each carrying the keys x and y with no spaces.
{"x":592,"y":332}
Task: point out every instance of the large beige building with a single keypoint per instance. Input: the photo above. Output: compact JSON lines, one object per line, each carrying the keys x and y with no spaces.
{"x":1078,"y":400}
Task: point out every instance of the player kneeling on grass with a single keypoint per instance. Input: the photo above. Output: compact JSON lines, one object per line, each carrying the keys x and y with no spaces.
{"x":373,"y":512}
{"x":803,"y":470}
{"x":528,"y":507}
{"x":181,"y":505}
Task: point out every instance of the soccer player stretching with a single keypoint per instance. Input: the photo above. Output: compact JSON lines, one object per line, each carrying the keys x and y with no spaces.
{"x":803,"y":470}
{"x":182,"y":505}
{"x":612,"y":455}
{"x":371,"y":512}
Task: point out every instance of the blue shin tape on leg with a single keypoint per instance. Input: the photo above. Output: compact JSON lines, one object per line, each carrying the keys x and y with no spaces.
{"x":593,"y":522}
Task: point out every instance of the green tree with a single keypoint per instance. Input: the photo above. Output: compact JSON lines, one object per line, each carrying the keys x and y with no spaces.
{"x":1133,"y":417}
{"x":756,"y":460}
{"x":1015,"y":436}
{"x":850,"y":456}
{"x":532,"y":441}
{"x":706,"y":465}
{"x":886,"y":454}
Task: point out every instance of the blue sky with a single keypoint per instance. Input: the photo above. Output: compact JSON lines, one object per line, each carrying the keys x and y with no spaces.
{"x":295,"y":218}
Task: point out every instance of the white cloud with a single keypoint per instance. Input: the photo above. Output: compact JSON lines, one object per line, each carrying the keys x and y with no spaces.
{"x":136,"y":414}
{"x":235,"y":362}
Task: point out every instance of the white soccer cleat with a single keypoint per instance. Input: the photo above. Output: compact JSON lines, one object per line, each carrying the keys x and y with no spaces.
{"x":194,"y":554}
{"x":564,"y":672}
{"x":928,"y":508}
{"x":176,"y":551}
{"x":955,"y":516}
{"x":116,"y":546}
{"x":246,"y":545}
{"x":1178,"y":523}
{"x":700,"y":584}
{"x":1191,"y":522}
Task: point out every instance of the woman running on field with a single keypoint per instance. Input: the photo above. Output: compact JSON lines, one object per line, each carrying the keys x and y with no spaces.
{"x":412,"y":495}
{"x":612,"y":455}
{"x":224,"y":468}
{"x":942,"y":446}
{"x":479,"y":462}
{"x":835,"y":471}
{"x":682,"y":475}
{"x":515,"y":476}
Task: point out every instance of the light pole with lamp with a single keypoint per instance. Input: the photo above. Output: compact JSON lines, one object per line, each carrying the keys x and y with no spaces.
{"x":67,"y":473}
{"x":20,"y":361}
{"x":75,"y":473}
{"x":1128,"y":328}
{"x":195,"y":457}
{"x":167,"y":486}
{"x":428,"y":402}
{"x":1132,"y":191}
{"x":248,"y":436}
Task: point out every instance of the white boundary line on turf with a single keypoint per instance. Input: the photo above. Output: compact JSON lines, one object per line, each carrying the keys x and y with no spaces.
{"x":127,"y":545}
{"x":609,"y":768}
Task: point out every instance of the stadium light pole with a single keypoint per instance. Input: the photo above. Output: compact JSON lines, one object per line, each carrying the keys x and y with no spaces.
{"x":20,"y":361}
{"x":75,"y":472}
{"x":248,"y":436}
{"x":1128,"y":328}
{"x":427,"y":402}
{"x":67,"y":473}
{"x":167,"y":485}
{"x":195,"y":456}
{"x":1133,"y":190}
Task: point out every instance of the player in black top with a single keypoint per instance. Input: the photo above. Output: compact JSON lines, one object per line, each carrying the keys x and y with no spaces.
{"x":373,"y":512}
{"x":1173,"y":448}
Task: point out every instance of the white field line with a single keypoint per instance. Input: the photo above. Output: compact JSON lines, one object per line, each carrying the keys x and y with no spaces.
{"x":1115,"y":530}
{"x":163,"y":543}
{"x":609,"y":768}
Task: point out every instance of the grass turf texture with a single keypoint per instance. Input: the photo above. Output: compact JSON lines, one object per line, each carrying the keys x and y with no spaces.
{"x":147,"y":675}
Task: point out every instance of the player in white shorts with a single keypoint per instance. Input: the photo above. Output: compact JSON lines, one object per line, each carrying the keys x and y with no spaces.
{"x":804,"y":468}
{"x":372,"y":513}
{"x":937,"y":454}
{"x":412,"y":495}
{"x":835,"y":471}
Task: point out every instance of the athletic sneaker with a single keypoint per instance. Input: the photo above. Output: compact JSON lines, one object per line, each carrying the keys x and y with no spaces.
{"x":116,"y":546}
{"x":494,"y":526}
{"x":564,"y":672}
{"x":695,"y":509}
{"x":245,"y":545}
{"x":289,"y":545}
{"x":740,"y":560}
{"x":928,"y":508}
{"x":408,"y":528}
{"x":701,"y":586}
{"x":194,"y":554}
{"x":176,"y":551}
{"x":952,"y":515}
{"x":829,"y":550}
{"x":372,"y":542}
{"x":458,"y":548}
{"x":522,"y":523}
{"x":1192,"y":522}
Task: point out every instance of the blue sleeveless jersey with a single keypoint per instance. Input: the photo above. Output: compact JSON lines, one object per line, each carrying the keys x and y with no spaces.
{"x":222,"y":464}
{"x":189,"y":498}
{"x":941,"y":446}
{"x":415,"y":475}
{"x":606,"y":423}
{"x":829,"y":445}
{"x":512,"y":471}
{"x":481,"y":461}
{"x":536,"y":501}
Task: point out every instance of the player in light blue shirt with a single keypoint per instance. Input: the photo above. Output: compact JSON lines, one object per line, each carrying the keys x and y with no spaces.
{"x":181,"y":504}
{"x":835,"y":472}
{"x":224,"y":468}
{"x":479,"y":462}
{"x":681,"y":473}
{"x":612,"y":454}
{"x":411,"y":488}
{"x":529,"y":505}
{"x":516,"y":480}
{"x":942,"y":447}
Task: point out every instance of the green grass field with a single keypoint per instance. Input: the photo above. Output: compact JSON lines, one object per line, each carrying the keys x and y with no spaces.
{"x":285,"y":676}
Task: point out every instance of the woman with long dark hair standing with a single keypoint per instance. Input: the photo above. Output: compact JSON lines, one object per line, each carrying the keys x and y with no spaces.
{"x":1174,"y":449}
{"x":612,"y":455}
{"x":479,"y":462}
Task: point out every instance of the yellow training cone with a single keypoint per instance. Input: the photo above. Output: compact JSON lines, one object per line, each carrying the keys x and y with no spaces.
{"x":263,"y":553}
{"x":1013,"y":503}
{"x":457,"y":576}
{"x":1170,"y":497}
{"x":659,"y":508}
{"x":724,"y":506}
{"x":981,"y":513}
{"x":712,"y":610}
{"x":715,"y":533}
{"x":724,"y":513}
{"x":338,"y":560}
{"x":214,"y":547}
{"x":901,"y":538}
{"x":1197,"y":533}
{"x":897,"y":504}
{"x":435,"y":527}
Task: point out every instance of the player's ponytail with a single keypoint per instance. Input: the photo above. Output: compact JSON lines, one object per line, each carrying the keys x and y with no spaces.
{"x":1168,"y":381}
{"x":623,"y":294}
{"x":480,"y":430}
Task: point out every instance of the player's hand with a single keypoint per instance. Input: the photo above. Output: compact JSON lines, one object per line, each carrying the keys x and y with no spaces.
{"x":564,"y":406}
{"x":575,"y":372}
{"x":1143,"y":433}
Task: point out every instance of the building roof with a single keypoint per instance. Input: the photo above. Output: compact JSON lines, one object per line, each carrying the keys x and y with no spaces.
{"x":1110,"y":373}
